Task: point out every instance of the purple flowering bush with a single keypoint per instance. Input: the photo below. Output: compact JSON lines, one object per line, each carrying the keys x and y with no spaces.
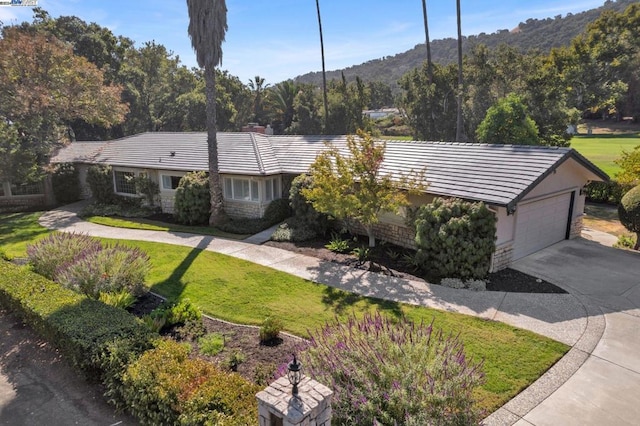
{"x":85,"y":265}
{"x":59,"y":248}
{"x":108,"y":269}
{"x":389,"y":372}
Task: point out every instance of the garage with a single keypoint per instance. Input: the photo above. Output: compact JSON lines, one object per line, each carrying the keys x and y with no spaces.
{"x":541,"y":223}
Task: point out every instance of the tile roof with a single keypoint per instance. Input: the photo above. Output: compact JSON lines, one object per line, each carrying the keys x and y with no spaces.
{"x":496,"y":174}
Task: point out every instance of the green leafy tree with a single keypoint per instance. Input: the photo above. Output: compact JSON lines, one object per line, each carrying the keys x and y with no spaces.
{"x":507,"y":122}
{"x":629,"y":213}
{"x":259,"y":86}
{"x":430,"y":107}
{"x":629,"y":163}
{"x":353,"y":187}
{"x":307,"y":119}
{"x":207,"y":28}
{"x":45,"y":87}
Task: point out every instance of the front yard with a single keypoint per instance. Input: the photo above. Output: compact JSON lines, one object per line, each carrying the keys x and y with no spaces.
{"x":243,"y":292}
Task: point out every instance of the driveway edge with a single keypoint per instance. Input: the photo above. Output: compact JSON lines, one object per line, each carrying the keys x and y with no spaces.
{"x":519,"y":406}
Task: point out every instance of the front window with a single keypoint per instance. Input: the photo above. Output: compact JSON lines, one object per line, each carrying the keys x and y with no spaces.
{"x":272,"y":189}
{"x":241,"y":189}
{"x":26,"y":189}
{"x":124,"y":182}
{"x":170,"y":182}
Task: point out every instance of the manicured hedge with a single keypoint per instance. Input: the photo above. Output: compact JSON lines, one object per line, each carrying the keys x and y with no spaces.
{"x":152,"y":379}
{"x":84,"y":330}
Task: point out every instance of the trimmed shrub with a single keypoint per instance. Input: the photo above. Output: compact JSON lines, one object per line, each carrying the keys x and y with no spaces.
{"x":148,"y":188}
{"x":293,"y":230}
{"x":192,"y":199}
{"x":277,"y":211}
{"x":59,"y":248}
{"x":302,"y":209}
{"x":455,"y":238}
{"x":165,"y":386}
{"x":106,"y":269}
{"x":385,"y":371}
{"x":629,"y":213}
{"x":100,"y":180}
{"x":270,"y":329}
{"x":97,"y":338}
{"x":66,"y":184}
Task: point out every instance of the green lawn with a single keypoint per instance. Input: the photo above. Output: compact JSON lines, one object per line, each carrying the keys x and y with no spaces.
{"x":602,"y":150}
{"x":243,"y":292}
{"x":154,"y":225}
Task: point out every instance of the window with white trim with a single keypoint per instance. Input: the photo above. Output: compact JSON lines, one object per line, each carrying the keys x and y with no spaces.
{"x":124,"y":182}
{"x":241,"y":189}
{"x":170,"y":182}
{"x":272,"y":189}
{"x":27,"y":189}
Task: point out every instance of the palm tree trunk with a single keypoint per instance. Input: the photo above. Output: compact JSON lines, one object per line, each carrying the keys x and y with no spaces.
{"x":460,"y":83}
{"x":217,"y":205}
{"x":426,"y":35}
{"x":324,"y":73}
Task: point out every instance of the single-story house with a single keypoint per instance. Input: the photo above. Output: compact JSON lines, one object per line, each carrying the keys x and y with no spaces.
{"x":536,"y":192}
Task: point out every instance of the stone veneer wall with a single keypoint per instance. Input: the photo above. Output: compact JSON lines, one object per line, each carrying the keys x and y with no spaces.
{"x":244,"y":209}
{"x":402,"y":236}
{"x":22,"y":202}
{"x":576,"y":227}
{"x":501,"y":257}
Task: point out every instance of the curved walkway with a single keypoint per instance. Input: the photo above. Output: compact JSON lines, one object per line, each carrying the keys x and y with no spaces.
{"x":574,"y":319}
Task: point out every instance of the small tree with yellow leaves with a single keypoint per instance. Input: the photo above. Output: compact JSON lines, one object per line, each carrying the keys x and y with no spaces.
{"x":353,"y":186}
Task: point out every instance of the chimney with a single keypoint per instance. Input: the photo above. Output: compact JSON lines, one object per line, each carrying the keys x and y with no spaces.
{"x":253,"y":127}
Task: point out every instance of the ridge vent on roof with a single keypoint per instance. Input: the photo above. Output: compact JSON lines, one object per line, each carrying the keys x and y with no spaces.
{"x":256,"y":151}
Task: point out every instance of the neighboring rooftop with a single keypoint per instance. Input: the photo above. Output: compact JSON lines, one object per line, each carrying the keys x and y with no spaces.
{"x":497,"y":174}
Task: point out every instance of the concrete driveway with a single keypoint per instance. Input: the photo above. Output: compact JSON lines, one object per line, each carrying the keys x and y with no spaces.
{"x":605,"y":389}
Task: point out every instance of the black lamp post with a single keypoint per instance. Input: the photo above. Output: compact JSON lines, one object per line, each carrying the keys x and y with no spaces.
{"x":294,"y":374}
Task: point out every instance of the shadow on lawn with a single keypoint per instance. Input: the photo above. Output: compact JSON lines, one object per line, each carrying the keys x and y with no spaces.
{"x":173,"y":286}
{"x":339,"y":300}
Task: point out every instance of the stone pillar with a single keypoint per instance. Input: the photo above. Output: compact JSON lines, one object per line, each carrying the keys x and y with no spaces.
{"x":277,"y":406}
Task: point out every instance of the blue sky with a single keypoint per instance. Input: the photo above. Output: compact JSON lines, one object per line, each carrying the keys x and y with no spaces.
{"x":279,"y":39}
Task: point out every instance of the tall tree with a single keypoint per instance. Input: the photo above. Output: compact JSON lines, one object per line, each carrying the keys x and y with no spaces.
{"x":207,"y":29}
{"x":324,"y":72}
{"x":258,"y":86}
{"x":459,"y":123}
{"x":427,"y":41}
{"x":45,"y":87}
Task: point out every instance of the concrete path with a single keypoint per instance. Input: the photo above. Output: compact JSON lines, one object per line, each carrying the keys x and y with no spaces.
{"x":576,"y":318}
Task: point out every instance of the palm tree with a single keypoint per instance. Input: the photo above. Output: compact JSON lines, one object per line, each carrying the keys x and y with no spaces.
{"x":426,"y":34}
{"x":207,"y":28}
{"x":258,"y":87}
{"x":324,"y":73}
{"x":283,"y":100}
{"x":459,"y":117}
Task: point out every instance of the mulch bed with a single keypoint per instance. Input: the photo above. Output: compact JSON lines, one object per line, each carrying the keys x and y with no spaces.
{"x":261,"y":361}
{"x":508,"y":280}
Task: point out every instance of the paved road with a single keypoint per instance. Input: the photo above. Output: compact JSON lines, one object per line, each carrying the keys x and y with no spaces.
{"x":37,"y":386}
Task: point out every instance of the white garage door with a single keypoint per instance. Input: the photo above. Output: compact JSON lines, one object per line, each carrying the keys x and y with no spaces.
{"x":540,"y":224}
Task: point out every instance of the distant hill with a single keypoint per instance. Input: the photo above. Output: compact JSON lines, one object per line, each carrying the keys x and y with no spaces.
{"x":540,"y":34}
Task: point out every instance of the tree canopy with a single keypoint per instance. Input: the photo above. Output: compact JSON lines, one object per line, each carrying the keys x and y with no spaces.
{"x":507,"y":122}
{"x":353,"y":187}
{"x":45,"y":87}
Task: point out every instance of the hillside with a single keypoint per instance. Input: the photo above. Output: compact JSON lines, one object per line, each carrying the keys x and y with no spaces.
{"x":540,"y":34}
